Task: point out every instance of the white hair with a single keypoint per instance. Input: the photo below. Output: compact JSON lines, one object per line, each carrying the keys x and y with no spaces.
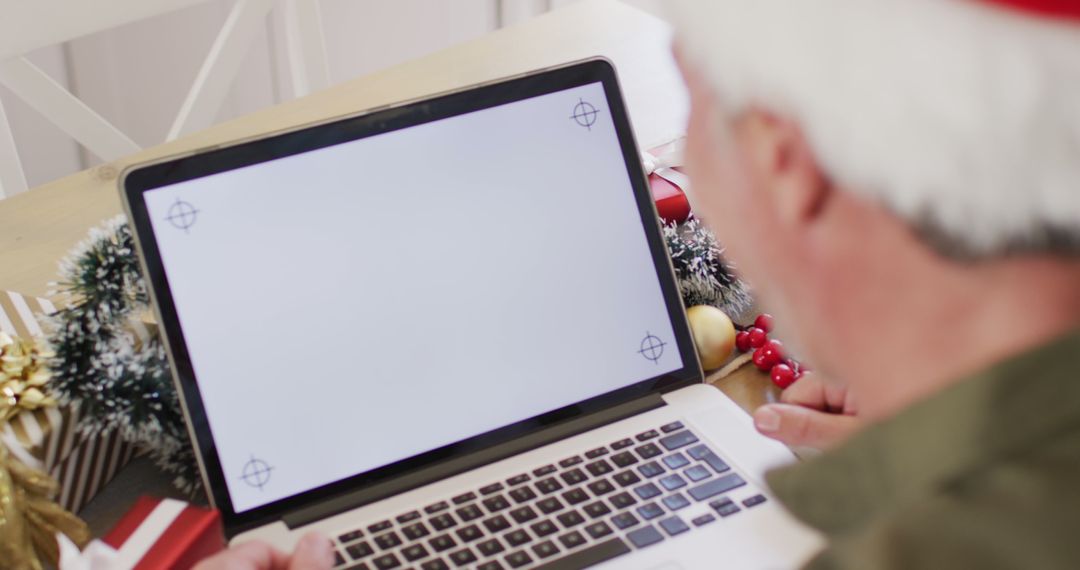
{"x":962,"y":118}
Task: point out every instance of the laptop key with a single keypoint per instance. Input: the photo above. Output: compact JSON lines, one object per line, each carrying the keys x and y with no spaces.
{"x":594,"y":453}
{"x":725,"y":507}
{"x":754,"y":501}
{"x":676,"y":501}
{"x":697,"y":473}
{"x":544,"y":528}
{"x":469,"y":533}
{"x":624,"y":520}
{"x":522,"y":495}
{"x":650,"y":511}
{"x":575,"y":496}
{"x":496,"y":503}
{"x":497,"y":523}
{"x":591,"y":556}
{"x":716,"y":463}
{"x":596,"y":510}
{"x":545,"y":549}
{"x":645,"y":436}
{"x":677,"y":440}
{"x":517,"y":479}
{"x":359,"y":550}
{"x":469,"y":512}
{"x":464,"y":498}
{"x":645,"y":536}
{"x":339,"y":560}
{"x":549,"y":505}
{"x":674,"y":526}
{"x":622,"y":444}
{"x":436,"y":564}
{"x":703,"y":520}
{"x":442,"y":542}
{"x":490,"y":547}
{"x":386,"y":561}
{"x":442,"y":522}
{"x":570,"y":519}
{"x":650,"y":469}
{"x":489,"y":489}
{"x":668,"y":428}
{"x":548,"y":486}
{"x":599,"y":467}
{"x":648,"y":451}
{"x":414,"y":552}
{"x":624,"y":459}
{"x":716,"y":486}
{"x":626,"y":478}
{"x":647,"y":491}
{"x":415,"y":531}
{"x":699,"y":451}
{"x":672,"y":482}
{"x":490,"y":565}
{"x":388,"y":540}
{"x":622,"y":500}
{"x":570,"y":461}
{"x":572,"y":539}
{"x":379,"y":526}
{"x":523,"y":514}
{"x":517,"y":537}
{"x":676,"y":460}
{"x":518,"y":559}
{"x":408,"y":517}
{"x":601,"y":487}
{"x":350,"y":536}
{"x":598,"y":529}
{"x":545,"y":470}
{"x":462,"y":557}
{"x":437,"y":507}
{"x":574,"y":476}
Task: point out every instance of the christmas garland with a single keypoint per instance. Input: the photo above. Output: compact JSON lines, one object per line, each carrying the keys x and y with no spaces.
{"x":124,"y":383}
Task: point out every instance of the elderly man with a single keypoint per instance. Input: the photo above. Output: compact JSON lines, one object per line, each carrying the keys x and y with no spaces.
{"x":900,"y":179}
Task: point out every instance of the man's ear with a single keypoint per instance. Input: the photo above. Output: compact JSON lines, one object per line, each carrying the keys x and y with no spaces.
{"x":784,"y":163}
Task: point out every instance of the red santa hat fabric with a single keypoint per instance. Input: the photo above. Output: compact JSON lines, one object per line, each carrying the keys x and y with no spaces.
{"x":960,"y":113}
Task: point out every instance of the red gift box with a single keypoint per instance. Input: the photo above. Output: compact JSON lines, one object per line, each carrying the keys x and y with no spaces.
{"x":671,"y":202}
{"x":165,"y":533}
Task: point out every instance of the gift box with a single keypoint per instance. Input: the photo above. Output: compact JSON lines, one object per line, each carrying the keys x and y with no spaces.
{"x":46,"y":439}
{"x":667,"y":181}
{"x":165,"y":533}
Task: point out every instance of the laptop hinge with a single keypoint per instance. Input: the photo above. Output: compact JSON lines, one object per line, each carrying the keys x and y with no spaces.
{"x":451,"y":467}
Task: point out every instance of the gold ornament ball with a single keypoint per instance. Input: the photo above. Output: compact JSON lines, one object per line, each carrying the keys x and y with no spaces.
{"x":714,"y":335}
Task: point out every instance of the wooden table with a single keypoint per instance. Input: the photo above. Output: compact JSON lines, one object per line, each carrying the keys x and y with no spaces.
{"x":39,"y":226}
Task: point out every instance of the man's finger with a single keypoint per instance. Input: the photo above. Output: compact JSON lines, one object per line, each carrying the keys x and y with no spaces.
{"x":254,"y":555}
{"x":798,"y":426}
{"x":313,"y":552}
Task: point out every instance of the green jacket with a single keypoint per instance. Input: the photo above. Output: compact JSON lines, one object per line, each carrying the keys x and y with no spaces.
{"x":985,"y":474}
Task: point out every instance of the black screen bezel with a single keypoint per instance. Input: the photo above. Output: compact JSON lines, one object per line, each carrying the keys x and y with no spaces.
{"x":139,"y":179}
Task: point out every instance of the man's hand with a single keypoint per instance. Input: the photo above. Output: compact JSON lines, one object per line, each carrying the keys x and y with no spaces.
{"x":313,"y":552}
{"x":814,"y":413}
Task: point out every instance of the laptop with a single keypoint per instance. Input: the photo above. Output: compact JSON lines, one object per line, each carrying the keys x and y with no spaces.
{"x":446,"y":333}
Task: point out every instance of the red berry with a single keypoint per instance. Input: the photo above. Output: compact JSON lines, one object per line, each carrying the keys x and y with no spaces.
{"x":765,"y":358}
{"x":742,"y":341}
{"x":777,"y":347}
{"x":764,"y":321}
{"x":783,"y":376}
{"x":757,"y":337}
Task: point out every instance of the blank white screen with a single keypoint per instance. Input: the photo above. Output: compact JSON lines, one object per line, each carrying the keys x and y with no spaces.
{"x":359,"y":304}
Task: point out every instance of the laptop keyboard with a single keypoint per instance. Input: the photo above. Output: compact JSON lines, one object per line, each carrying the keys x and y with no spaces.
{"x":585,"y":509}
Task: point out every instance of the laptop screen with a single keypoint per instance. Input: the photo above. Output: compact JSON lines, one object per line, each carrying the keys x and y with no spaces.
{"x":359,"y":304}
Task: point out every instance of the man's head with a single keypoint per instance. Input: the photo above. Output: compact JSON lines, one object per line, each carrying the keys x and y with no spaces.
{"x":868,"y":159}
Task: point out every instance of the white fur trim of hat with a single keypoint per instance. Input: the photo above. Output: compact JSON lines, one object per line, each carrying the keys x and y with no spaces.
{"x":965,"y":112}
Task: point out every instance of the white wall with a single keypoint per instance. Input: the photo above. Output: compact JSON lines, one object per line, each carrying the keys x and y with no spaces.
{"x":137,"y":75}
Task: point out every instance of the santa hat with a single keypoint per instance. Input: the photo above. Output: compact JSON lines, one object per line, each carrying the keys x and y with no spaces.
{"x":960,"y":115}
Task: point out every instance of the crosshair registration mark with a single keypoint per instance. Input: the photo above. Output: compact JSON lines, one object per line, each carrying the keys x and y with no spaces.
{"x":256,"y":473}
{"x":652,"y":348}
{"x":182,"y":215}
{"x":585,"y":114}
